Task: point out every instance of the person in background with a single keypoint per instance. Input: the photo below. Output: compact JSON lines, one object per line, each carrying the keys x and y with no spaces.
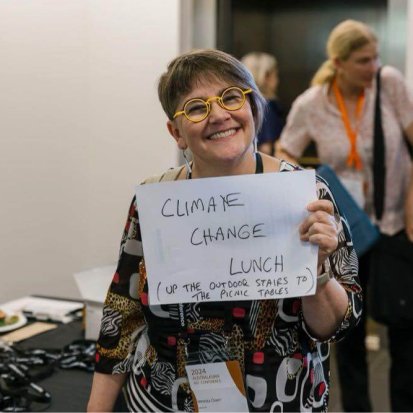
{"x":282,"y":346}
{"x":337,"y":113}
{"x":264,"y":68}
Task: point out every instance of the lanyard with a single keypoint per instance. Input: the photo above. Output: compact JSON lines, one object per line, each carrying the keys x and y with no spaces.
{"x":354,"y":157}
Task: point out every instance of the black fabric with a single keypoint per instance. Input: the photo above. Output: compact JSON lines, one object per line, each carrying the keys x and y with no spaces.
{"x":401,"y":388}
{"x":391,"y":284}
{"x":259,"y":168}
{"x":351,"y":356}
{"x":379,"y":164}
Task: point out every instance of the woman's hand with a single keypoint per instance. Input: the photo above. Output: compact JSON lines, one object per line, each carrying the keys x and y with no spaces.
{"x":320,"y":228}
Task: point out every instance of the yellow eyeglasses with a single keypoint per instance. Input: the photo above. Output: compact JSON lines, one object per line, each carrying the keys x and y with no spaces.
{"x":196,"y":110}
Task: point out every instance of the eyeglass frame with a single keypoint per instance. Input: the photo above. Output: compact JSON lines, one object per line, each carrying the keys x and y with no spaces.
{"x":208,"y":103}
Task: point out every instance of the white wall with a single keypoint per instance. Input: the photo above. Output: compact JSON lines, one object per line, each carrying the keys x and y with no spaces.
{"x":409,"y":44}
{"x":80,"y":125}
{"x":395,"y":36}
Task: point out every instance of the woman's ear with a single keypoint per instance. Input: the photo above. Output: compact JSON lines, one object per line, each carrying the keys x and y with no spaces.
{"x":336,"y":63}
{"x":176,"y":134}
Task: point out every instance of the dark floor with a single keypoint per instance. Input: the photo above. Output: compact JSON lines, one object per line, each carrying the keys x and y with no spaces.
{"x":378,"y":369}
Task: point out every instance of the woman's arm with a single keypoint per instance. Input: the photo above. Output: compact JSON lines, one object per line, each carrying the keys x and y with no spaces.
{"x":324,"y":311}
{"x":296,"y":135}
{"x":122,"y":317}
{"x":105,"y":391}
{"x":266,"y":147}
{"x":281,"y":153}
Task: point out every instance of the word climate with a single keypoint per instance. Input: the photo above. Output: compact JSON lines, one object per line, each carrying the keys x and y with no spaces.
{"x":180,"y":208}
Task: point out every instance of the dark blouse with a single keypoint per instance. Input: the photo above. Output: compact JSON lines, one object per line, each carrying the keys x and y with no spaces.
{"x":272,"y":124}
{"x":285,"y":367}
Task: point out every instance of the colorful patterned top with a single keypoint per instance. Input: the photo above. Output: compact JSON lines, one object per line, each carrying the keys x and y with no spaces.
{"x":285,"y":368}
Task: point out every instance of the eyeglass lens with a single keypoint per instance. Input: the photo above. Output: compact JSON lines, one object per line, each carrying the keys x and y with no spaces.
{"x":197,"y":109}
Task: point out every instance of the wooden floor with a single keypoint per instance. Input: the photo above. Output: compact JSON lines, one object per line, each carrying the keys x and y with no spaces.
{"x":379,"y":363}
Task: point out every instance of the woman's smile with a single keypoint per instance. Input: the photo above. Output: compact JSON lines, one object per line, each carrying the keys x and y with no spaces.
{"x":223,"y":134}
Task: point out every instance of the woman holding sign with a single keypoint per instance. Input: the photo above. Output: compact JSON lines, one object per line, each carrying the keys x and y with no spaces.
{"x":242,"y":355}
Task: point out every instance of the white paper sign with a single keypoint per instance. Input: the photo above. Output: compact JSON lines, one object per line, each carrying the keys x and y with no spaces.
{"x":228,"y":238}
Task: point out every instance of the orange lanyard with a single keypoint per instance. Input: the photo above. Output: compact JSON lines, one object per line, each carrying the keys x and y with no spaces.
{"x":354,"y":157}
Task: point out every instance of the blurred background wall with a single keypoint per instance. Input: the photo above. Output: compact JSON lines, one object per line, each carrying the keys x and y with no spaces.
{"x":296,"y":32}
{"x":80,"y":123}
{"x":80,"y":126}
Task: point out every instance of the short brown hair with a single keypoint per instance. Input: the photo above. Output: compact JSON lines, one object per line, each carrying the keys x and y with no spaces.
{"x":184,"y":71}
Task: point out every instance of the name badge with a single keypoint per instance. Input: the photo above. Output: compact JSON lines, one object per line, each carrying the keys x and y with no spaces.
{"x":217,"y":387}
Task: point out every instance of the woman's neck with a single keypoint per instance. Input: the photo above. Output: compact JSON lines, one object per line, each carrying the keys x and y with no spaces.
{"x":348,"y":90}
{"x":237,"y":167}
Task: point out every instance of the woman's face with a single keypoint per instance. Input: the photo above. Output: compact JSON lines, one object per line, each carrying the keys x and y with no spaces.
{"x":360,"y":68}
{"x":224,"y":137}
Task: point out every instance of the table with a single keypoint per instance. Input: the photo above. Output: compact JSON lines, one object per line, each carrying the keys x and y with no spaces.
{"x":69,"y":388}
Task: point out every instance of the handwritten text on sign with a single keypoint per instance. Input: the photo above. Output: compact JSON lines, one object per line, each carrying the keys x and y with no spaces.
{"x":228,"y":238}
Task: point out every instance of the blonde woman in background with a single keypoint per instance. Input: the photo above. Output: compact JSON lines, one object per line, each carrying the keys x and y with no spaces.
{"x":264,"y":68}
{"x":337,"y":113}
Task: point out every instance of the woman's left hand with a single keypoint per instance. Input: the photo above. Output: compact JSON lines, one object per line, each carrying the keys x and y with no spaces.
{"x":320,"y":228}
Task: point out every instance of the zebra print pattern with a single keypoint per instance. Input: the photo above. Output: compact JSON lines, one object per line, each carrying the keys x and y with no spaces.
{"x":124,"y":366}
{"x":111,"y":322}
{"x":254,"y":312}
{"x":163,"y":377}
{"x":212,"y":348}
{"x":284,"y":341}
{"x":140,"y":399}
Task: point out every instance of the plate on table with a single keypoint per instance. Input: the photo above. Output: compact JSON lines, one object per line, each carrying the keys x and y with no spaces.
{"x":11,"y":320}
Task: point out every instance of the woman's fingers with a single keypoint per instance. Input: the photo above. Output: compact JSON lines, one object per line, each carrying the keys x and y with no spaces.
{"x":315,"y":218}
{"x":320,"y":228}
{"x":321,"y":205}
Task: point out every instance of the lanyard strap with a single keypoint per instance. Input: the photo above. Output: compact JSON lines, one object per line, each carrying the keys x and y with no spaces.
{"x":354,"y":157}
{"x":259,"y":167}
{"x":182,"y":318}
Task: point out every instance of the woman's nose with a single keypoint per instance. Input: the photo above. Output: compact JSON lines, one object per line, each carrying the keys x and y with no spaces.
{"x":218,"y":113}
